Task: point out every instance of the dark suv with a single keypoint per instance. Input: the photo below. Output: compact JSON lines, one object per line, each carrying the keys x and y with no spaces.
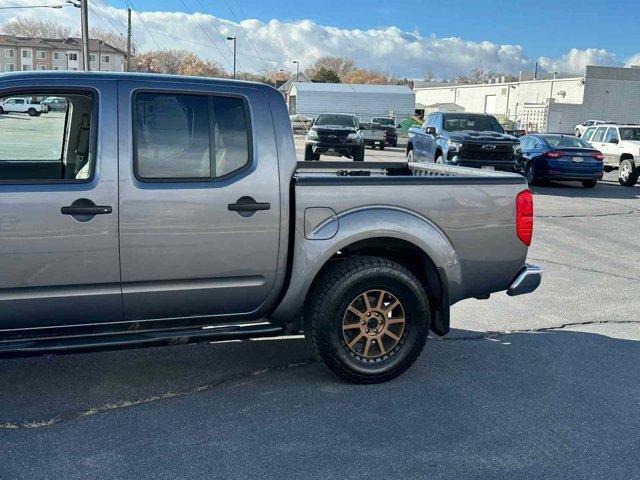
{"x":466,"y":139}
{"x":390,"y":127}
{"x":335,"y":133}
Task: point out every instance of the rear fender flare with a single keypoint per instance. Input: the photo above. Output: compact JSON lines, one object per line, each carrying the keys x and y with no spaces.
{"x":366,"y":223}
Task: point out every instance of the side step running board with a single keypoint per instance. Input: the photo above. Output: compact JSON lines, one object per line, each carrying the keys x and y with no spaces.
{"x":133,"y":339}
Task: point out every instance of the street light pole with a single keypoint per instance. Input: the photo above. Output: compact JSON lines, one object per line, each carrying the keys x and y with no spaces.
{"x":83,"y":5}
{"x":234,"y":54}
{"x":297,"y":70}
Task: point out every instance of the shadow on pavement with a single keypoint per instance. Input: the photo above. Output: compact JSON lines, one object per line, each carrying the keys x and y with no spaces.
{"x":558,"y":404}
{"x":576,"y":190}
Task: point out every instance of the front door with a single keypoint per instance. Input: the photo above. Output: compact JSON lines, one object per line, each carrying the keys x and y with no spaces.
{"x":611,"y":147}
{"x":58,"y":212}
{"x":199,"y":200}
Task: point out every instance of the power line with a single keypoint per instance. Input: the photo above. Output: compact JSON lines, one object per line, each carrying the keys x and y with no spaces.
{"x":193,"y":14}
{"x":267,"y":66}
{"x":144,"y":24}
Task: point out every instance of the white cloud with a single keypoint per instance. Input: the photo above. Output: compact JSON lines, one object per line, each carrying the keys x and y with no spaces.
{"x":575,"y":61}
{"x":275,"y":44}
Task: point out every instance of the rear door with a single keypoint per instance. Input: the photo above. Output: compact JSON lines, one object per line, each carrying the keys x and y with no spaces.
{"x":199,"y":199}
{"x":58,"y":209}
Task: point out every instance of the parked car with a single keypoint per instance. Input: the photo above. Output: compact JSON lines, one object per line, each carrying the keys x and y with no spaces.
{"x":335,"y":134}
{"x":620,"y":145}
{"x":560,"y":157}
{"x":373,"y":134}
{"x":57,"y":104}
{"x":582,"y":127}
{"x":466,"y":139}
{"x":193,"y":213}
{"x":22,"y":105}
{"x":390,"y":128}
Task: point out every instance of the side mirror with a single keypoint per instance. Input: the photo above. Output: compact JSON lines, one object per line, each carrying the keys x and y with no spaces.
{"x":614,"y":140}
{"x":430,"y":130}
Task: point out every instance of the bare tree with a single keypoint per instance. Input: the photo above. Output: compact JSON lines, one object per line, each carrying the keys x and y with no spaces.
{"x":193,"y":65}
{"x":36,"y":28}
{"x":340,"y":65}
{"x":169,"y":61}
{"x":107,"y":36}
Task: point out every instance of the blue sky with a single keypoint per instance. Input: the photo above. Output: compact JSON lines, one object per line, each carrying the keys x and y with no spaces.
{"x":544,"y":27}
{"x":399,"y":37}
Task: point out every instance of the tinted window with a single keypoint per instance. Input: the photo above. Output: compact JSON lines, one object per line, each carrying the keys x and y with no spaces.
{"x":599,"y":135}
{"x":337,"y":120}
{"x":454,"y":122}
{"x":189,"y":136}
{"x":630,"y":133}
{"x":612,"y":134}
{"x":565,"y":141}
{"x":388,"y":122}
{"x":48,"y":147}
{"x":526,"y":143}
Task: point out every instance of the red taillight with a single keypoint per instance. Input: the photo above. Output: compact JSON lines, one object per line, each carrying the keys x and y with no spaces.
{"x":524,"y":216}
{"x":598,"y":156}
{"x":553,"y":154}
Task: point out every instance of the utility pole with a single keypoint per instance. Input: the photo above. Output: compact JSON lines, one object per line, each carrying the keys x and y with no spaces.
{"x":84,"y":12}
{"x":234,"y":54}
{"x":128,"y":64}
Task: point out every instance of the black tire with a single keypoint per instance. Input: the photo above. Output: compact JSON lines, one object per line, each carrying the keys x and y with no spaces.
{"x":381,"y":145}
{"x":32,"y":112}
{"x":337,"y":289}
{"x":394,"y":143}
{"x":309,"y":156}
{"x":410,"y":156}
{"x":589,"y":183}
{"x":530,"y":173}
{"x":628,"y":173}
{"x":358,"y":155}
{"x":2,"y":111}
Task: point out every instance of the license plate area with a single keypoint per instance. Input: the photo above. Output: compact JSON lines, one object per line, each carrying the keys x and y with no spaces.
{"x":487,"y":167}
{"x":577,"y":159}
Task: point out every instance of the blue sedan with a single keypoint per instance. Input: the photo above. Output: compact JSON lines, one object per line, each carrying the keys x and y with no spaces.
{"x":560,"y":157}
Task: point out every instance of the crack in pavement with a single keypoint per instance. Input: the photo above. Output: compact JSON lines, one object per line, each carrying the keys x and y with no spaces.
{"x":591,"y":215}
{"x":490,"y":334}
{"x":585,"y":269}
{"x":231,"y":381}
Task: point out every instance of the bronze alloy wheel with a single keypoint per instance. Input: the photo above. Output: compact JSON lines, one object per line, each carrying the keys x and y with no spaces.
{"x":373,"y":324}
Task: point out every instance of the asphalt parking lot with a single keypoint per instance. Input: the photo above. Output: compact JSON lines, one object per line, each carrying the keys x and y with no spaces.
{"x":540,"y":386}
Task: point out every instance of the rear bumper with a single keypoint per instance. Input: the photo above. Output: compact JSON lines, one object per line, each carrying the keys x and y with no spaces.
{"x":559,"y":175}
{"x":527,"y":280}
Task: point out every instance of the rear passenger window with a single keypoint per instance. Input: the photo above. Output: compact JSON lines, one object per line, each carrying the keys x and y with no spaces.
{"x":189,"y":137}
{"x":40,"y":142}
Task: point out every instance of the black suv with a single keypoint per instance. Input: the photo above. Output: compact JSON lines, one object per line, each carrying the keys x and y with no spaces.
{"x":336,"y":133}
{"x":466,"y":139}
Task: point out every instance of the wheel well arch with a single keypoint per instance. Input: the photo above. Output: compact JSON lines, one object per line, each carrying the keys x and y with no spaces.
{"x":414,"y":259}
{"x":627,"y":156}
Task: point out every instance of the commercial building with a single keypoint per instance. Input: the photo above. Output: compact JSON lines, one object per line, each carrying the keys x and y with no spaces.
{"x":22,"y":53}
{"x":550,"y":104}
{"x":365,"y":101}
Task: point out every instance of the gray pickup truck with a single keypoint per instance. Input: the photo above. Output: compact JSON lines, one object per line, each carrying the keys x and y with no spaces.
{"x":167,"y":210}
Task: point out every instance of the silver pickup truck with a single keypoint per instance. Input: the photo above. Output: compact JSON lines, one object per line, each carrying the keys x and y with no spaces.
{"x":167,"y":210}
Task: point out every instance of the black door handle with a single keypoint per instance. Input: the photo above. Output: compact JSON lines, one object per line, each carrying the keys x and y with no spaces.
{"x":247,"y":206}
{"x":84,"y":210}
{"x":97,"y":210}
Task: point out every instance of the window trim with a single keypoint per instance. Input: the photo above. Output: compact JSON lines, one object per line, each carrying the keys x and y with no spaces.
{"x":93,"y":141}
{"x":209,"y":96}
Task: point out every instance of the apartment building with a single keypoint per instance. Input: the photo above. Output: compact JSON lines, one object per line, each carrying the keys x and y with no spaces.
{"x":22,"y":53}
